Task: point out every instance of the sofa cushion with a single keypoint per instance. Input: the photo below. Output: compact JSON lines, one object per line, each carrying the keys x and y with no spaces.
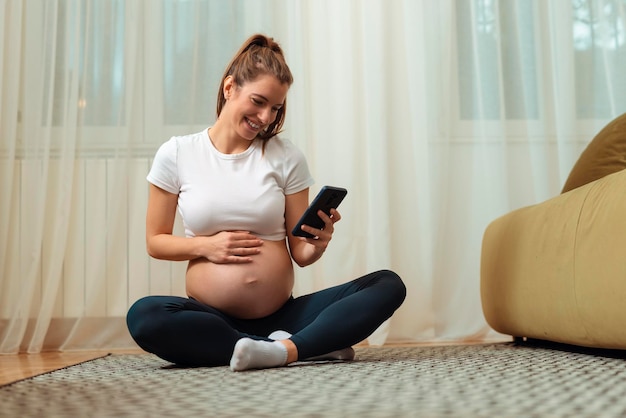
{"x":604,"y":155}
{"x":555,"y":270}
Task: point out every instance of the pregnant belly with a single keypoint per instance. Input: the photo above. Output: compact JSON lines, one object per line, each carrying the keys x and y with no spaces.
{"x":250,"y":290}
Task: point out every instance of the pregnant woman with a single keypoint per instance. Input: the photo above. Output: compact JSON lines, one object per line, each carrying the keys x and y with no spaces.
{"x":240,"y":189}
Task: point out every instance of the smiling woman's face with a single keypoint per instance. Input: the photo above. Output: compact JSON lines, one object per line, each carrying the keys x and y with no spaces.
{"x":250,"y":108}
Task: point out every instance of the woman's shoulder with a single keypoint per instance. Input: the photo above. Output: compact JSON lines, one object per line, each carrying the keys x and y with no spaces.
{"x":185,"y":144}
{"x":190,"y":140}
{"x":282,"y":146}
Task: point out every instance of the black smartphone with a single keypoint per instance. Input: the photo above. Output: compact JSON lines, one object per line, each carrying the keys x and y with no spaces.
{"x":329,"y":197}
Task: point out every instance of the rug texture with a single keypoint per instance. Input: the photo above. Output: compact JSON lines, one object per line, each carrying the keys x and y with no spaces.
{"x":490,"y":380}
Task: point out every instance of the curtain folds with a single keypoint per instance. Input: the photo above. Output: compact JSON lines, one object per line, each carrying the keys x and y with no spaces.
{"x":436,"y":116}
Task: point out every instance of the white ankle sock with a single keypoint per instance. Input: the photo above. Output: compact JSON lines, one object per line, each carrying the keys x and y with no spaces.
{"x":252,"y":354}
{"x":343,"y":354}
{"x":279,"y":335}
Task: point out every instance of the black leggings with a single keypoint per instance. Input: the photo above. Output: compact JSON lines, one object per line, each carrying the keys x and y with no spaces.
{"x":187,"y":332}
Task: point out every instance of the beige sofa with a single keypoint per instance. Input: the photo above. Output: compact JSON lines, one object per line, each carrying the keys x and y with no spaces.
{"x":556,"y":271}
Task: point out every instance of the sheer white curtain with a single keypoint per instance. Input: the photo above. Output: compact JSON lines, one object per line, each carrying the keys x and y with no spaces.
{"x":437,"y":117}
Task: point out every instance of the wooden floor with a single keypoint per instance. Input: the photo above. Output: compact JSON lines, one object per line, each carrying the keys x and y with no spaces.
{"x":14,"y":367}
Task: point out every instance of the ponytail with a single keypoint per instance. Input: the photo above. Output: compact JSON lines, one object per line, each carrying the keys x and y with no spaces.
{"x":259,"y":55}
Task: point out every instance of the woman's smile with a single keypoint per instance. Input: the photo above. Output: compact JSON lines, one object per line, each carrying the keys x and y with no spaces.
{"x":255,"y":127}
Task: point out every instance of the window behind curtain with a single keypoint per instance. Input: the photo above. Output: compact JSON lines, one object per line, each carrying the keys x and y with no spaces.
{"x":498,"y":50}
{"x":599,"y":30}
{"x":497,"y":61}
{"x":193,"y":59}
{"x":191,"y":43}
{"x":497,"y":45}
{"x":88,"y":53}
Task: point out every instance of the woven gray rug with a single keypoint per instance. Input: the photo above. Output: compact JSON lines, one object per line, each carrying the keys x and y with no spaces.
{"x":490,"y":380}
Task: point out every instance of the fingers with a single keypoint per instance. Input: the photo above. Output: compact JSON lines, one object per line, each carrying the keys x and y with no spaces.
{"x":234,"y":247}
{"x":237,"y":260}
{"x":240,"y":250}
{"x":239,"y":255}
{"x":335,"y":216}
{"x":243,"y":251}
{"x":323,"y":236}
{"x":245,"y":238}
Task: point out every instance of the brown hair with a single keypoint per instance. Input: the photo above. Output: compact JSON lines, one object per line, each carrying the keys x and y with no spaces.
{"x":257,"y":56}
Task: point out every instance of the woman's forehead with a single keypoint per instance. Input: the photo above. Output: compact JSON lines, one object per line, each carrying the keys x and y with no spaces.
{"x":269,"y":87}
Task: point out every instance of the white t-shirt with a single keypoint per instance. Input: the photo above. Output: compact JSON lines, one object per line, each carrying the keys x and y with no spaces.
{"x":228,"y":192}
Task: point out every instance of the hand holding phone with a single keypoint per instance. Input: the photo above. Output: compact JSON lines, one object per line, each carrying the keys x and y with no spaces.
{"x":329,"y":197}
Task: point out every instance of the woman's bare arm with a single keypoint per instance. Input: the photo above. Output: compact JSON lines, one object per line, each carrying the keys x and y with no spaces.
{"x":306,"y":251}
{"x":223,"y":247}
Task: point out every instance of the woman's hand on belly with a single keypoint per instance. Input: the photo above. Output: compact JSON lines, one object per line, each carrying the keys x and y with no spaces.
{"x":249,"y":290}
{"x":229,"y":247}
